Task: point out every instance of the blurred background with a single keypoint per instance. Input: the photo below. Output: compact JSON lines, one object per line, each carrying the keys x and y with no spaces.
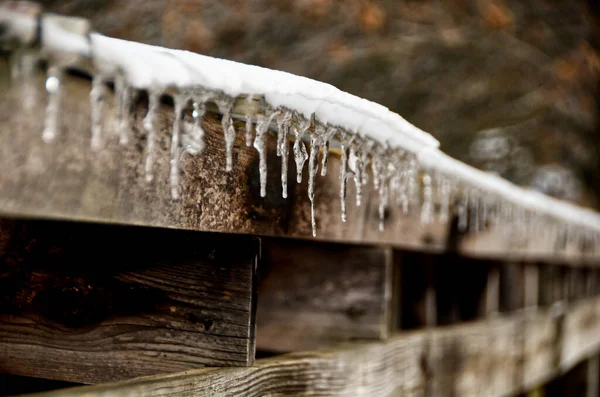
{"x":508,"y":86}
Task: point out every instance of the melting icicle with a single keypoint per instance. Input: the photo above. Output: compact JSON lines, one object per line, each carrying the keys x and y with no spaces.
{"x":463,"y":209}
{"x":356,"y":159}
{"x":427,"y":207}
{"x":248,"y":131}
{"x":53,"y":83}
{"x":228,"y":132}
{"x":300,"y":153}
{"x":97,"y":96}
{"x":331,"y":131}
{"x":343,"y":178}
{"x":283,"y":147}
{"x":175,"y":145}
{"x":122,"y":105}
{"x":194,"y":143}
{"x":150,"y":127}
{"x":259,"y":144}
{"x":315,"y":142}
{"x":445,"y":194}
{"x":383,"y":202}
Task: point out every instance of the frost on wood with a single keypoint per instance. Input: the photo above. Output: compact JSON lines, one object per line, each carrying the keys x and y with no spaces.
{"x":409,"y":174}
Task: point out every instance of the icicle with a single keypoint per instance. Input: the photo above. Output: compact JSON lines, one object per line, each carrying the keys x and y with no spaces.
{"x":248,"y":117}
{"x":474,"y":212}
{"x":248,"y":130}
{"x":300,"y":153}
{"x":283,"y":146}
{"x":331,"y":131}
{"x":444,"y":200}
{"x":150,"y":127}
{"x":122,"y":105}
{"x":97,"y":96}
{"x":463,"y":209}
{"x":259,"y":144}
{"x":383,"y":202}
{"x":228,"y":132}
{"x":180,"y":103}
{"x":315,"y":142}
{"x":51,"y":123}
{"x":412,"y":182}
{"x":194,"y":143}
{"x":343,"y":178}
{"x":427,"y":207}
{"x":356,"y":159}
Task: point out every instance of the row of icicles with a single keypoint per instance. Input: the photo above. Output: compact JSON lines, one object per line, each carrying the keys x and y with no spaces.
{"x":396,"y":175}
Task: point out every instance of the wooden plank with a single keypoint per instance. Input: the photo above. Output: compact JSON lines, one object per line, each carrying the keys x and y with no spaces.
{"x":97,"y":303}
{"x":313,"y":294}
{"x":67,"y":180}
{"x":460,"y":357}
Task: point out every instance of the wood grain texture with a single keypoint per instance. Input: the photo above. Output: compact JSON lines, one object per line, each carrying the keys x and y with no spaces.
{"x":474,"y":359}
{"x":313,"y":294}
{"x":67,"y":180}
{"x":93,"y":303}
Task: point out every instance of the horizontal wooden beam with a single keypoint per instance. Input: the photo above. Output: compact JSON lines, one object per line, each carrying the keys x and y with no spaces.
{"x":98,"y":303}
{"x":499,"y":356}
{"x":313,"y":294}
{"x":65,"y":179}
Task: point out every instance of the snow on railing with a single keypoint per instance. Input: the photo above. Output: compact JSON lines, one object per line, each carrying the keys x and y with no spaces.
{"x":407,"y":168}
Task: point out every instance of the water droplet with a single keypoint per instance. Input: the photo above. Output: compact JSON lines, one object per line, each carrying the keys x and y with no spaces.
{"x":51,"y":122}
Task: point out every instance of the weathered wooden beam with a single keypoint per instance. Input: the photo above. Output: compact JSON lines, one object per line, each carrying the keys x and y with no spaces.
{"x":97,"y":303}
{"x":314,"y":294}
{"x":469,"y":359}
{"x":67,"y":180}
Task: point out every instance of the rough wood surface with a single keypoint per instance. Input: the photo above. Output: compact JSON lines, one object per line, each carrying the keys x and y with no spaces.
{"x":313,"y":294}
{"x":93,"y":303}
{"x":67,"y":180}
{"x":475,"y":359}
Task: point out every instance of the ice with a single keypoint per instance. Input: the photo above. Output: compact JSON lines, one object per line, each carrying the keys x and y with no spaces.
{"x":463,"y":211}
{"x":194,"y":141}
{"x":427,"y":205}
{"x":122,"y":105}
{"x":344,"y":174}
{"x":316,"y":140}
{"x":300,"y":154}
{"x":248,"y":116}
{"x":225,"y":107}
{"x":260,"y":145}
{"x":474,"y":219}
{"x":97,"y":98}
{"x":331,"y":132}
{"x":53,"y":86}
{"x":150,"y":127}
{"x":180,"y":103}
{"x":445,"y":194}
{"x":283,"y":147}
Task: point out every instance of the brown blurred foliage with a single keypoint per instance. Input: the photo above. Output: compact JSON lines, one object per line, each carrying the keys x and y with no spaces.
{"x":509,"y":86}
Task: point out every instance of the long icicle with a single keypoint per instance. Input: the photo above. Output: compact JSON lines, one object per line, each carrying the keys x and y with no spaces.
{"x":97,"y":96}
{"x":343,"y":177}
{"x":53,"y":87}
{"x":248,"y":132}
{"x":122,"y":105}
{"x":283,"y":145}
{"x":175,"y":145}
{"x":228,"y":133}
{"x":150,"y":127}
{"x":315,"y":143}
{"x":260,"y":145}
{"x":300,"y":153}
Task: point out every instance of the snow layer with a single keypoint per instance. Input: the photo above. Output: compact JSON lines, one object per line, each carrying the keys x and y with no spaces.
{"x":155,"y":68}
